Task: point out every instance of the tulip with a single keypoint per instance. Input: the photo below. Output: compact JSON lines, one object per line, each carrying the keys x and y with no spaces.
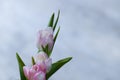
{"x":45,"y":37}
{"x":36,"y":72}
{"x":42,"y":57}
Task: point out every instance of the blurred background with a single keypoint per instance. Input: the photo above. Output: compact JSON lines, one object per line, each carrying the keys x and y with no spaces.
{"x":90,"y":33}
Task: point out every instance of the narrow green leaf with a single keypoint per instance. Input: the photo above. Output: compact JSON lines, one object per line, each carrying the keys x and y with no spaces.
{"x":56,"y":34}
{"x":33,"y":60}
{"x":51,"y":22}
{"x":56,"y":66}
{"x":56,"y":21}
{"x":21,"y":64}
{"x":43,"y":49}
{"x":46,"y":49}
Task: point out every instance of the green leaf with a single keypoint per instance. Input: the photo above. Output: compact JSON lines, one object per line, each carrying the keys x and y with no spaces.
{"x":51,"y":22}
{"x":56,"y":21}
{"x":46,"y":49}
{"x":56,"y":34}
{"x":56,"y":66}
{"x":33,"y":60}
{"x":21,"y":64}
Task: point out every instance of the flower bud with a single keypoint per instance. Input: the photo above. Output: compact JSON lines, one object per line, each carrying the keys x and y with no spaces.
{"x":45,"y":37}
{"x":42,"y":57}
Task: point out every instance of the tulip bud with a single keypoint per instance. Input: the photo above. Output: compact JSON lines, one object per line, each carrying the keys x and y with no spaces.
{"x":45,"y":37}
{"x":42,"y":57}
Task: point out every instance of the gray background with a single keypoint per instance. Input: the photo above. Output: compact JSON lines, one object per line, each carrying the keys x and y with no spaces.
{"x":90,"y":33}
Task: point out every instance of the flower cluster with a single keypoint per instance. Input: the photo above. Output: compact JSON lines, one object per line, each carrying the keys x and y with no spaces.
{"x":42,"y":67}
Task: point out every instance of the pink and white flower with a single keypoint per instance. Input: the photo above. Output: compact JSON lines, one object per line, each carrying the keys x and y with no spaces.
{"x":42,"y":57}
{"x":36,"y":72}
{"x":45,"y":37}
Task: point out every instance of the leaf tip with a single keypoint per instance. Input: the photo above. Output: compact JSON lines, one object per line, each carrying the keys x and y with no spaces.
{"x":68,"y":59}
{"x":17,"y":55}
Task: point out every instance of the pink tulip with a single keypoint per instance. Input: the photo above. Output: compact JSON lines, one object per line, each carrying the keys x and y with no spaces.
{"x":45,"y":37}
{"x":36,"y":72}
{"x":42,"y":57}
{"x":39,"y":70}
